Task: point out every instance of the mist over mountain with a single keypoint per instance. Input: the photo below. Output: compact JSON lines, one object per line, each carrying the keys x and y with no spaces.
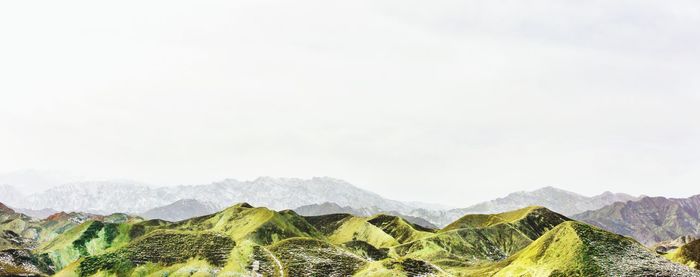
{"x":305,"y":195}
{"x":276,"y":193}
{"x":181,"y":209}
{"x":10,"y":195}
{"x":562,"y":201}
{"x":32,"y":180}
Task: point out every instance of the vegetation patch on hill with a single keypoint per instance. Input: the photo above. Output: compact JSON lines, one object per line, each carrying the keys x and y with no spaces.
{"x":161,"y":247}
{"x":311,"y":257}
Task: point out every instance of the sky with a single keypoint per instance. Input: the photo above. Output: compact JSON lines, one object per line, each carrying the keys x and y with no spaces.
{"x":452,"y":102}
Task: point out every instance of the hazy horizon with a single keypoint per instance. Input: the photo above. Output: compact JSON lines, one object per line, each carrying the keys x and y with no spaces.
{"x":452,"y":102}
{"x":40,"y":180}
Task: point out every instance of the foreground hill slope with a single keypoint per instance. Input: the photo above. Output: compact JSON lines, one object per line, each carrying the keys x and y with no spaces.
{"x":650,"y":219}
{"x":577,"y":249}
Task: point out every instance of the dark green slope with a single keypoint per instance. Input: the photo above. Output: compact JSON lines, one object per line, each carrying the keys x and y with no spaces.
{"x":165,"y":247}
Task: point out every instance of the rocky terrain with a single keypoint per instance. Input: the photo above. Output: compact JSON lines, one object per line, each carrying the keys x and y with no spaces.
{"x":650,"y":219}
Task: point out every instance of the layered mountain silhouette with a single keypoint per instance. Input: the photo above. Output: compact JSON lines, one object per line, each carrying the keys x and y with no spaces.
{"x":315,"y":196}
{"x":181,"y":209}
{"x":650,"y":219}
{"x":562,"y":201}
{"x":276,"y":193}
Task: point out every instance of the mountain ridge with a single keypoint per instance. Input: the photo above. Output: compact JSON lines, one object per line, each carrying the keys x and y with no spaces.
{"x":650,"y":219}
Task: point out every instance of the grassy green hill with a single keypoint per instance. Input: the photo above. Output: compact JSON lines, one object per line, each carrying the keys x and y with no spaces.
{"x":87,"y":239}
{"x":477,"y":239}
{"x":578,"y":249}
{"x":255,"y":241}
{"x":260,"y":225}
{"x":380,"y":231}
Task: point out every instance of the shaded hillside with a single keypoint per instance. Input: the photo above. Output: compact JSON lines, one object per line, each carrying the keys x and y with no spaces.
{"x":21,"y":262}
{"x":650,"y":219}
{"x":577,"y":249}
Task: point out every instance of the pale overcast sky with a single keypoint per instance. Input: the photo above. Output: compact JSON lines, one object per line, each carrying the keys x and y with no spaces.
{"x":439,"y":101}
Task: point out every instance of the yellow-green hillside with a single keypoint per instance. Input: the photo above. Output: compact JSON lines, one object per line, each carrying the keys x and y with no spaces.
{"x":477,"y":239}
{"x":532,"y":221}
{"x":578,"y":249}
{"x":260,"y":225}
{"x":87,"y":239}
{"x":380,"y":231}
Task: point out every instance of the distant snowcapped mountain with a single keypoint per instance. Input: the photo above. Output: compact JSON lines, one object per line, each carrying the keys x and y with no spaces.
{"x":275,"y":193}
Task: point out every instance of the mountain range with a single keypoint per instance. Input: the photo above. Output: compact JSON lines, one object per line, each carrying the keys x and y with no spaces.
{"x":276,"y":193}
{"x":281,"y":193}
{"x":562,"y":201}
{"x":650,"y":219}
{"x":242,"y":240}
